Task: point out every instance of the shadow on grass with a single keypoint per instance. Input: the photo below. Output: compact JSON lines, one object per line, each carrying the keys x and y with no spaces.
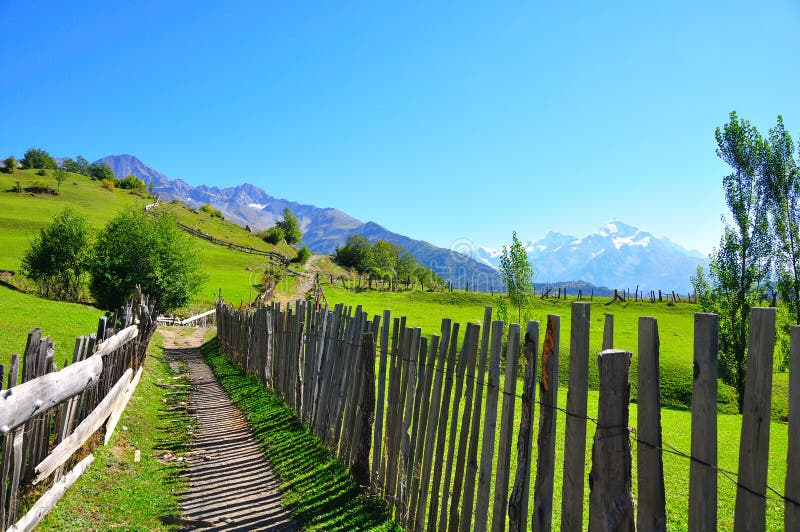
{"x":319,"y":493}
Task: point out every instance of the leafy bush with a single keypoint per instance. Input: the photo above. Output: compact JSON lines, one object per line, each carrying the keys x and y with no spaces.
{"x":11,"y":165}
{"x":290,"y":226}
{"x":108,"y":183}
{"x":303,"y":254}
{"x":56,"y":260}
{"x":132,"y":183}
{"x":211,"y":211}
{"x":135,"y":248}
{"x":37,"y":158}
{"x":273,"y":235}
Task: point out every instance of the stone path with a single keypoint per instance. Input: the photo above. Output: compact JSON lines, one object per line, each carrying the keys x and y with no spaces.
{"x":232,"y":486}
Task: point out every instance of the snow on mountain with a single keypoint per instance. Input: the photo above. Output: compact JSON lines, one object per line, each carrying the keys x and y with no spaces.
{"x":615,"y":255}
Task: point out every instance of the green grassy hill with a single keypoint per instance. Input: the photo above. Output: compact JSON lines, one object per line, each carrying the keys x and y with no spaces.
{"x":23,"y":213}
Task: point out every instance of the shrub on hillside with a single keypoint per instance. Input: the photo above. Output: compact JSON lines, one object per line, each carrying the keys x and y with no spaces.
{"x":273,"y":235}
{"x":135,"y":248}
{"x":10,"y":165}
{"x":56,"y":260}
{"x":303,"y":254}
{"x":211,"y":211}
{"x":108,"y":184}
{"x":132,"y":183}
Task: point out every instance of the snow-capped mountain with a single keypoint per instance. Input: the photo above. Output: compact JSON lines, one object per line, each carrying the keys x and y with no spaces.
{"x":616,"y":255}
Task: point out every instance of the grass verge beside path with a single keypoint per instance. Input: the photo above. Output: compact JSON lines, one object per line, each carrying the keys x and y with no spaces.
{"x":117,"y":492}
{"x":319,"y":493}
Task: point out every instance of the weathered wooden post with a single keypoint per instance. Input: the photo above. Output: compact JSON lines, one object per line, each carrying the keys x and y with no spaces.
{"x":703,"y":479}
{"x":518,"y":502}
{"x":792,"y":488}
{"x":610,"y":497}
{"x":548,"y":397}
{"x":651,"y":511}
{"x":751,"y":506}
{"x":608,"y":332}
{"x":360,"y":467}
{"x":575,"y":432}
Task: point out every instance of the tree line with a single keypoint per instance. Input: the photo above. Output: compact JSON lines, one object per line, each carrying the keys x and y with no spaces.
{"x":759,"y":250}
{"x":385,"y":262}
{"x":134,"y":248}
{"x":41,"y":161}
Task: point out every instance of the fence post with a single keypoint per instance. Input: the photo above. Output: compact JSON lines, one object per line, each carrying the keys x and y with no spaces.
{"x":377,"y":448}
{"x":751,"y":506}
{"x":575,"y":432}
{"x":610,"y":497}
{"x":506,"y":430}
{"x":548,"y":399}
{"x":608,"y":332}
{"x":650,"y":510}
{"x":360,"y":467}
{"x":518,"y":502}
{"x":489,"y":427}
{"x":703,"y":479}
{"x":792,"y":488}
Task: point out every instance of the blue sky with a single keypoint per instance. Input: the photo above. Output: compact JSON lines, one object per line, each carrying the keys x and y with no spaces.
{"x":442,"y":122}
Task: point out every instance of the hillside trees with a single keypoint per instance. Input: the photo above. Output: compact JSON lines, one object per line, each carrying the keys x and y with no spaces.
{"x":101,"y":171}
{"x":517,"y":274}
{"x":60,"y":175}
{"x":290,"y":226}
{"x":57,"y":258}
{"x":151,"y":251}
{"x":37,"y":158}
{"x":10,"y":165}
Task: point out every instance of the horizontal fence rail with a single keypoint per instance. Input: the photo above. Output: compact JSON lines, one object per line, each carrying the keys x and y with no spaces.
{"x":419,"y":422}
{"x":47,"y":415}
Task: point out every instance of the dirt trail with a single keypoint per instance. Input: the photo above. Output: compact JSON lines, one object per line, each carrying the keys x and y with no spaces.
{"x":232,"y":486}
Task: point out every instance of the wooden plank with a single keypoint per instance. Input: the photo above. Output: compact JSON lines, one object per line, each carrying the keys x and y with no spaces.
{"x":608,"y":332}
{"x":411,"y":386}
{"x":575,"y":431}
{"x":389,"y":466}
{"x":440,"y":462}
{"x":489,"y":428}
{"x":546,"y":443}
{"x":64,"y":450}
{"x":610,"y":497}
{"x":703,"y":479}
{"x":360,"y":467}
{"x":465,"y":523}
{"x":377,"y":444}
{"x":506,"y":430}
{"x":119,"y":406}
{"x":432,"y":425}
{"x":17,"y":446}
{"x":113,"y":343}
{"x":421,"y":428}
{"x":650,"y":509}
{"x":42,"y":393}
{"x":469,"y":353}
{"x":518,"y":501}
{"x":792,"y":486}
{"x":751,"y":506}
{"x":47,"y":501}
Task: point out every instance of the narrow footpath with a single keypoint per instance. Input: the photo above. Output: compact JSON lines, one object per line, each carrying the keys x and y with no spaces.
{"x":232,"y":486}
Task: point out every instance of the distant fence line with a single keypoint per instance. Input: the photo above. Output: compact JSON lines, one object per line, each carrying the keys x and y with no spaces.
{"x":414,"y":439}
{"x":47,"y":415}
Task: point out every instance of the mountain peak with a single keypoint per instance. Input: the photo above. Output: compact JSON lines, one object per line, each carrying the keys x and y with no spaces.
{"x":616,"y":228}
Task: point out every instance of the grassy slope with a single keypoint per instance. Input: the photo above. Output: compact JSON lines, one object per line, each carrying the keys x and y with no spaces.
{"x":117,"y":492}
{"x":19,"y":313}
{"x":23,"y":214}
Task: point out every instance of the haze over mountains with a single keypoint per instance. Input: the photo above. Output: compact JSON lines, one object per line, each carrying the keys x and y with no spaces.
{"x":617,"y":255}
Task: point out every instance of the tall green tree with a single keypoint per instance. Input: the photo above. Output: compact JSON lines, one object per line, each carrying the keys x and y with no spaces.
{"x":290,"y":226}
{"x":781,"y":186}
{"x":11,"y":165}
{"x":740,"y":266}
{"x":60,"y":175}
{"x":57,"y":258}
{"x":517,"y":274}
{"x":37,"y":158}
{"x":151,"y":251}
{"x":356,"y":253}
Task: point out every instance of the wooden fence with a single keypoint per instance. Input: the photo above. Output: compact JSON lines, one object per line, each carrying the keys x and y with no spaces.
{"x":426,"y":433}
{"x":273,"y":256}
{"x":46,"y":414}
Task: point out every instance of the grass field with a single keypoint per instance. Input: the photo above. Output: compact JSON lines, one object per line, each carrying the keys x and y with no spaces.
{"x":118,"y":493}
{"x":19,"y":313}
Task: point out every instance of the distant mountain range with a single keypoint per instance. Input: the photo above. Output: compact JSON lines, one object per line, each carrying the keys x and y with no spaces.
{"x":616,"y":255}
{"x":323,"y":228}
